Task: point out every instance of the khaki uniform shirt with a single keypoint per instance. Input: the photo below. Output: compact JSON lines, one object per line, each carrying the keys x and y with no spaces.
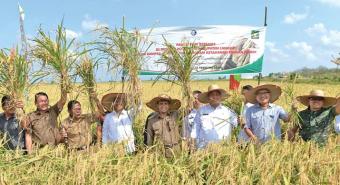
{"x":164,"y":130}
{"x":79,"y":131}
{"x":43,"y":126}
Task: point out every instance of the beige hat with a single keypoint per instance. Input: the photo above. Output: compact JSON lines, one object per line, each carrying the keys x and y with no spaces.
{"x":203,"y":97}
{"x":275,"y":93}
{"x":174,"y":104}
{"x":328,"y":101}
{"x":109,"y":99}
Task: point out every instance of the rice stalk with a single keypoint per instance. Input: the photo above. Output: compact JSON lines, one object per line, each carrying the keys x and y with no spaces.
{"x":86,"y":72}
{"x":16,"y":77}
{"x":57,"y":54}
{"x":180,"y":65}
{"x":124,"y":52}
{"x":290,"y":98}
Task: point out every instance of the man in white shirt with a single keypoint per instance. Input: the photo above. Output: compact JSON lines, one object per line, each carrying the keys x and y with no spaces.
{"x":337,"y":124}
{"x":117,"y":127}
{"x":242,"y":136}
{"x":213,"y":122}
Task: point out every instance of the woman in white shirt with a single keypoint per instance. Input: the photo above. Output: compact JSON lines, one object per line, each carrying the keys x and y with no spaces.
{"x":117,"y":127}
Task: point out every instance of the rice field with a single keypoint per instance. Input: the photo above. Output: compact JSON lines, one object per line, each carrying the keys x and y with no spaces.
{"x":225,"y":163}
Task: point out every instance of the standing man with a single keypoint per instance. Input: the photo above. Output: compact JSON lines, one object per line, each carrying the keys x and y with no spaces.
{"x":77,"y":127}
{"x":161,"y":126}
{"x":117,"y":127}
{"x":263,"y":118}
{"x":316,"y":120}
{"x":213,"y":121}
{"x":242,"y":136}
{"x":41,"y":125}
{"x":9,"y":125}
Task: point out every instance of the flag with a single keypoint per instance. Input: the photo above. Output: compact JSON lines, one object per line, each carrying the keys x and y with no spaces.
{"x":22,"y":31}
{"x":234,"y":81}
{"x":21,"y":13}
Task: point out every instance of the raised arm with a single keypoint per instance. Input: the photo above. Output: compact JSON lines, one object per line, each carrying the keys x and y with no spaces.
{"x":94,"y":98}
{"x":63,"y":98}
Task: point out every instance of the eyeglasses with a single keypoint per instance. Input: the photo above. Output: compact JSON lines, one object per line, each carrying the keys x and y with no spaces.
{"x":316,"y":98}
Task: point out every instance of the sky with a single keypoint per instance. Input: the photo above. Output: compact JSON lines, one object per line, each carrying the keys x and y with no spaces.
{"x":300,"y":33}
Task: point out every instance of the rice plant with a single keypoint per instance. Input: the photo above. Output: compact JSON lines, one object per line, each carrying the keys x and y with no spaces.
{"x":58,"y":55}
{"x":123,"y":49}
{"x":180,"y":67}
{"x":86,"y":71}
{"x":290,"y":98}
{"x":16,"y":77}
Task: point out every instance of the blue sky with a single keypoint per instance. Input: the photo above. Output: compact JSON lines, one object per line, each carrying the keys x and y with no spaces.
{"x":300,"y":33}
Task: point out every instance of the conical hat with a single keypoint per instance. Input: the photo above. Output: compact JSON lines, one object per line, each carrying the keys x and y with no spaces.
{"x":109,"y":99}
{"x":204,"y":98}
{"x":275,"y":93}
{"x":328,"y":101}
{"x":174,"y":104}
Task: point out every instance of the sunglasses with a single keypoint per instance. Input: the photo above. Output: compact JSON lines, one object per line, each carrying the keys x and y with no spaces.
{"x":316,"y":98}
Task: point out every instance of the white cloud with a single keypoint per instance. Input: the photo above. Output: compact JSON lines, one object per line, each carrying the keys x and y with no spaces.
{"x":328,"y":37}
{"x":303,"y":48}
{"x":72,"y":34}
{"x":294,"y":17}
{"x":90,"y":24}
{"x":316,"y":29}
{"x":275,"y":54}
{"x":331,"y":2}
{"x":332,"y":38}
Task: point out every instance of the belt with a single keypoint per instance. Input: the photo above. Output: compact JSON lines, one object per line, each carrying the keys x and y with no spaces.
{"x":81,"y":148}
{"x":170,"y":145}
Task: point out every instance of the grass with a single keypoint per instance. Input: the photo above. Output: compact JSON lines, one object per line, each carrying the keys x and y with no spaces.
{"x":272,"y":163}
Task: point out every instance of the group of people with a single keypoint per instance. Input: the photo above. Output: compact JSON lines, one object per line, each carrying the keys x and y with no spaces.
{"x":208,"y":122}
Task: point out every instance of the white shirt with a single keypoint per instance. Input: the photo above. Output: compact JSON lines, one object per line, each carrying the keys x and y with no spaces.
{"x":337,"y":124}
{"x":242,"y":136}
{"x":118,"y":128}
{"x":188,"y":123}
{"x":213,"y":124}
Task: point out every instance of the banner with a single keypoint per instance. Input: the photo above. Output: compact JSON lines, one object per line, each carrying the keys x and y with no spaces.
{"x":227,"y":49}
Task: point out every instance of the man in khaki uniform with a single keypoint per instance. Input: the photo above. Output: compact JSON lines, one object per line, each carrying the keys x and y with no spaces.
{"x":162,"y":125}
{"x":76,"y":129}
{"x":41,"y":125}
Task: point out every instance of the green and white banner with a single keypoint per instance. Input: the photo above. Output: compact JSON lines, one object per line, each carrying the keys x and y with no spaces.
{"x":227,"y":49}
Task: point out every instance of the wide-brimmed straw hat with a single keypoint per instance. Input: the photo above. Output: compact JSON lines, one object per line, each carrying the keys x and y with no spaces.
{"x":328,"y":101}
{"x":204,"y":97}
{"x":274,"y":90}
{"x":109,"y":99}
{"x":174,"y":104}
